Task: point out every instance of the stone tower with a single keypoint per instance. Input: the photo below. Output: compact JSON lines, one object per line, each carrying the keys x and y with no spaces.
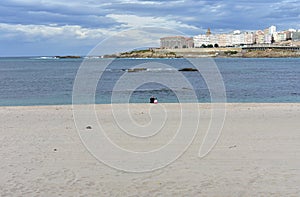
{"x":208,"y":32}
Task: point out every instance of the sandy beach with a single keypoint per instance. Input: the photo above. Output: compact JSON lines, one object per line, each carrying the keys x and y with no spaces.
{"x":257,"y":154}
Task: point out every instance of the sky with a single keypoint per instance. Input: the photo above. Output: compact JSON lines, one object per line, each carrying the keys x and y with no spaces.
{"x":74,"y":27}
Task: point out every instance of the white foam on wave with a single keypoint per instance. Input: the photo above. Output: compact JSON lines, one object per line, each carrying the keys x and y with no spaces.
{"x":45,"y":58}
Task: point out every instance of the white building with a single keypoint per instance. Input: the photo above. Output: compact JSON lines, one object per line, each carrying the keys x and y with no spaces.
{"x":249,"y":38}
{"x":268,"y":39}
{"x":200,"y":40}
{"x":259,"y":37}
{"x":223,"y":40}
{"x":237,"y":38}
{"x":279,"y":36}
{"x":272,"y":29}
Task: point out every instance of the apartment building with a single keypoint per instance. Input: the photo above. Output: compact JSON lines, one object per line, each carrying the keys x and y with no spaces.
{"x":223,"y":40}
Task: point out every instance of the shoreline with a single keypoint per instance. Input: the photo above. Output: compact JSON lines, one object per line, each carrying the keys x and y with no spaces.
{"x":123,"y":104}
{"x":164,"y":57}
{"x":232,"y":52}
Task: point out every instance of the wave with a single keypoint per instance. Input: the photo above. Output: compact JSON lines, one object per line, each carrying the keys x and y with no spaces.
{"x":92,"y":57}
{"x":160,"y":69}
{"x":44,"y":58}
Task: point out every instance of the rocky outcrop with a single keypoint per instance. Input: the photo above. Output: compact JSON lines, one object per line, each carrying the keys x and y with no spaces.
{"x":145,"y":54}
{"x":270,"y":53}
{"x":68,"y":57}
{"x":136,"y":69}
{"x":188,"y":69}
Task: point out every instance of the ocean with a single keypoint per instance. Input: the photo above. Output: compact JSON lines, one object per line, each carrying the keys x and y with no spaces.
{"x":28,"y":81}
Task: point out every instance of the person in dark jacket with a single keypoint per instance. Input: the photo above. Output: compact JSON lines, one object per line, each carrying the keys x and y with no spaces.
{"x":152,"y":99}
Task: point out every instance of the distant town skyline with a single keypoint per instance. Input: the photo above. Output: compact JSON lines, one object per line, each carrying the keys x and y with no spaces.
{"x":269,"y":35}
{"x":54,"y":27}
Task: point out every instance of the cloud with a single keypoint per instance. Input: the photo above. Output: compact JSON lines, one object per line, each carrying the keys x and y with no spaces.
{"x":286,"y":9}
{"x":134,"y":38}
{"x":141,"y":2}
{"x":64,"y":13}
{"x":50,"y":31}
{"x":130,"y":21}
{"x":81,"y":22}
{"x":191,"y":13}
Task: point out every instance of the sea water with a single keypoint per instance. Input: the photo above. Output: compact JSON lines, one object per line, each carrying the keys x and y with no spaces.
{"x":49,"y":81}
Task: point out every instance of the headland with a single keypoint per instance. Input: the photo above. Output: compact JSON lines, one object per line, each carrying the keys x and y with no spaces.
{"x":233,"y":52}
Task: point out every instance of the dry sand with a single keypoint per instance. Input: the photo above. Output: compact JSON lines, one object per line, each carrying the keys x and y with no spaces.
{"x":258,"y":154}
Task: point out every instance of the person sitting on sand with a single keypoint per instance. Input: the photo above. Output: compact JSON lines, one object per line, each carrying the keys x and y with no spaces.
{"x":152,"y":99}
